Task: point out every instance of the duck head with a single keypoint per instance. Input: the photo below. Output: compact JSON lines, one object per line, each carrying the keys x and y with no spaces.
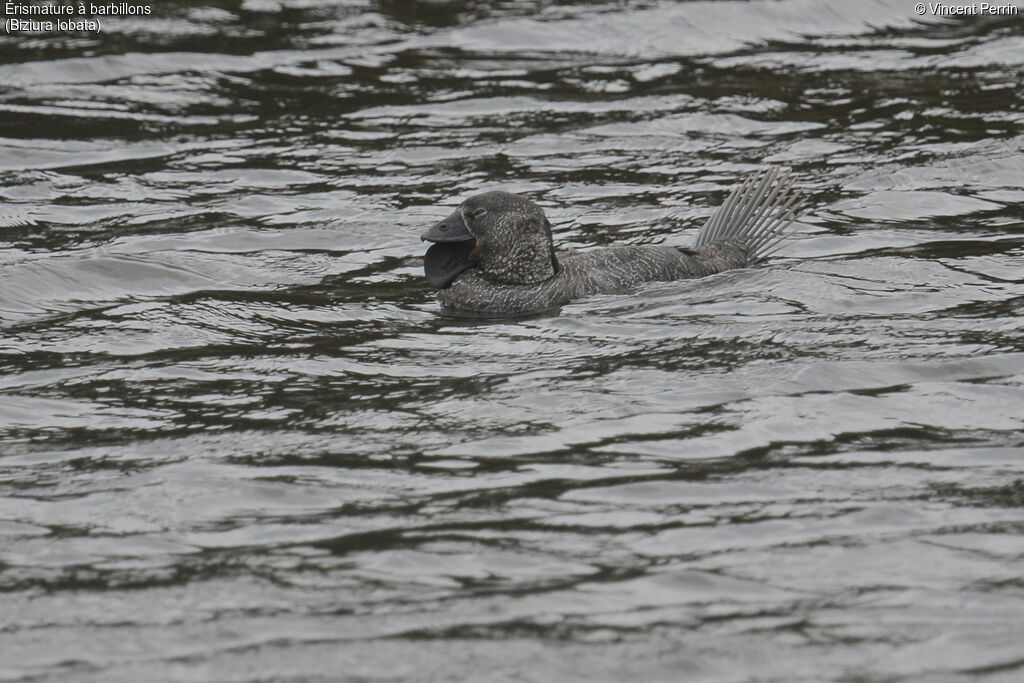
{"x":507,"y":238}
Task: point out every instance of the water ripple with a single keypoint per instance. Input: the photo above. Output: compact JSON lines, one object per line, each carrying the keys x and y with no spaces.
{"x":238,"y":441}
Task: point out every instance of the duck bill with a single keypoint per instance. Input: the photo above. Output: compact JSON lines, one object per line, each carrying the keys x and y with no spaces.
{"x":451,"y":253}
{"x":451,"y":229}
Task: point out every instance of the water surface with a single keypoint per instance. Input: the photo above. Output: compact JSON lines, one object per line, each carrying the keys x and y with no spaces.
{"x":238,"y":441}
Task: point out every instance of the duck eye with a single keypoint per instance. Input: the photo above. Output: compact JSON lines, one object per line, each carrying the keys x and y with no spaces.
{"x":478,"y":213}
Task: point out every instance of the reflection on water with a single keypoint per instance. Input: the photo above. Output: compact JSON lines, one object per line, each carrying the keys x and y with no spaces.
{"x":237,"y":441}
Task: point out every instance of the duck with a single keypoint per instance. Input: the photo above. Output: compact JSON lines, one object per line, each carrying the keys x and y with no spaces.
{"x":494,"y":256}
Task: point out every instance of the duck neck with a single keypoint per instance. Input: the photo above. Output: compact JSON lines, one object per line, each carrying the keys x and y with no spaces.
{"x":520,"y":264}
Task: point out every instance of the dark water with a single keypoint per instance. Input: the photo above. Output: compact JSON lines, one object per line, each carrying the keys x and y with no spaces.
{"x":239,"y":443}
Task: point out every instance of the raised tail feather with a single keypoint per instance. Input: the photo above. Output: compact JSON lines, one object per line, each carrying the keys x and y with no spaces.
{"x":758,"y":213}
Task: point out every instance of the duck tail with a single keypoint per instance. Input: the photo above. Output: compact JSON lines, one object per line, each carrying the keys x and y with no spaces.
{"x":758,"y":213}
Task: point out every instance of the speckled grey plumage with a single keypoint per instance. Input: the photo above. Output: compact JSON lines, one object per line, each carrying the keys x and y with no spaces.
{"x":515,"y":270}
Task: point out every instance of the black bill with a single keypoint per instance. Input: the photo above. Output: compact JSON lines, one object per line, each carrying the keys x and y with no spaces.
{"x":451,"y":229}
{"x":450,"y":255}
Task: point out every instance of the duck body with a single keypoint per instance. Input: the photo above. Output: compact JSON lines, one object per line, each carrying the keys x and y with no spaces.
{"x":611,"y":270}
{"x":494,"y":256}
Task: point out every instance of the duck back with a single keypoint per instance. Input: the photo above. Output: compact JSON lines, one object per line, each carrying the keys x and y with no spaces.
{"x":612,"y":270}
